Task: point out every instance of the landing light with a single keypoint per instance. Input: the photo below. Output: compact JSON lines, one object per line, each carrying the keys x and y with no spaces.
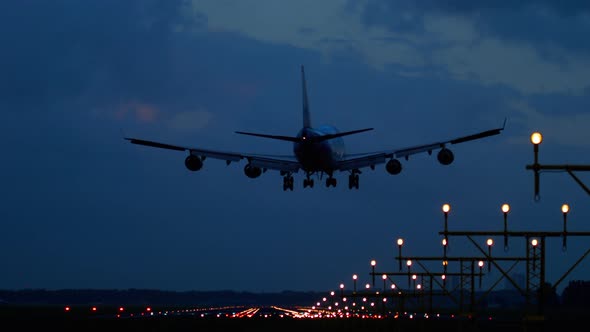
{"x":446,"y":208}
{"x":536,"y":138}
{"x":565,"y":208}
{"x":505,"y":208}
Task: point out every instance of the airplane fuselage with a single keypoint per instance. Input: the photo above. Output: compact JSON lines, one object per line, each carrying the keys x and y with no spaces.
{"x":320,"y":156}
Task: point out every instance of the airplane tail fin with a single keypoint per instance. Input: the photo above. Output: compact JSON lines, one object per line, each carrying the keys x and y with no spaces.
{"x":306,"y":123}
{"x":306,"y":115}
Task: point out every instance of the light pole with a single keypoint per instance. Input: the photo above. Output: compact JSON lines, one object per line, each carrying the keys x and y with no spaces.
{"x":384,"y":276}
{"x":536,"y":139}
{"x":373,"y":263}
{"x":409,"y":264}
{"x":332,"y":297}
{"x":490,"y":243}
{"x":354,"y":277}
{"x":480,"y":264}
{"x":342,"y":290}
{"x":444,"y":244}
{"x":534,"y":243}
{"x":505,"y":210}
{"x":565,"y":209}
{"x":446,"y":209}
{"x":400,"y":243}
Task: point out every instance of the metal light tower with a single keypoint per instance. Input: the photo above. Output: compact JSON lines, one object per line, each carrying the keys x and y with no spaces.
{"x":536,"y":139}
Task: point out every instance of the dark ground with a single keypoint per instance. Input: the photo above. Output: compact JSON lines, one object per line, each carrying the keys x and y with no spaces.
{"x":54,"y":319}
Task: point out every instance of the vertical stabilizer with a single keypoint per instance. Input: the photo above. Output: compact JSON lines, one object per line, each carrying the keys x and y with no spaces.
{"x":306,"y":116}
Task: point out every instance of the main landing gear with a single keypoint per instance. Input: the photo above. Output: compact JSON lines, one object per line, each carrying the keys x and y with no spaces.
{"x":353,"y":179}
{"x":288,"y":182}
{"x":330,"y":181}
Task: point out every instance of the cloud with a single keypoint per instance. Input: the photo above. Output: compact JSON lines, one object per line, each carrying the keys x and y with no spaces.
{"x":566,"y":129}
{"x":190,"y":121}
{"x":141,"y":112}
{"x":93,"y":52}
{"x":523,"y":46}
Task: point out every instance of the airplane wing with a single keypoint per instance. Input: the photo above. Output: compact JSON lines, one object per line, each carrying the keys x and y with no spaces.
{"x":357,"y":161}
{"x":279,"y":163}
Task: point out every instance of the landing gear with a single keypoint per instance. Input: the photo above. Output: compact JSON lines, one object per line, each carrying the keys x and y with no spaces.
{"x":288,"y":182}
{"x":353,"y":181}
{"x":330,"y":181}
{"x":307,"y":183}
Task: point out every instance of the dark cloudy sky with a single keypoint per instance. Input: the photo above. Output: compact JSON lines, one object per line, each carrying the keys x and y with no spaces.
{"x":82,"y":208}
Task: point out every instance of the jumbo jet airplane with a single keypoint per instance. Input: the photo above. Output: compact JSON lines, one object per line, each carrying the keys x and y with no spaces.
{"x":317,"y":151}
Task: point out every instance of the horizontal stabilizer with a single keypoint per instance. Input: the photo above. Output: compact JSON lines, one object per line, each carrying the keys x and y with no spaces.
{"x":346,"y":133}
{"x":312,"y":139}
{"x":155,"y":144}
{"x":282,"y":138}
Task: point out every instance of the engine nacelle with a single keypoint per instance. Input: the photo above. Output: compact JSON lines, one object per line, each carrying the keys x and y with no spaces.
{"x":393,"y":166}
{"x":252,"y":171}
{"x":193,"y":163}
{"x":445,"y":156}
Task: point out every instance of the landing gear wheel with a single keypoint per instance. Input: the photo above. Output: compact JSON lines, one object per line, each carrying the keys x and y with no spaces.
{"x":353,"y":181}
{"x":331,"y":182}
{"x":287,"y":183}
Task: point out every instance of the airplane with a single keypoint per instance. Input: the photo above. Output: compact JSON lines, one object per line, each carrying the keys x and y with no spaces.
{"x":317,"y":151}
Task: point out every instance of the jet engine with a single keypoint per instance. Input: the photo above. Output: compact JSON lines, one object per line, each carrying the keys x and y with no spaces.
{"x":252,"y":171}
{"x":393,"y":166}
{"x":193,"y":163}
{"x":445,"y":156}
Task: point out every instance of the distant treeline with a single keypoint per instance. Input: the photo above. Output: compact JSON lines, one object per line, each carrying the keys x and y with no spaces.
{"x":154,"y":297}
{"x":575,"y":295}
